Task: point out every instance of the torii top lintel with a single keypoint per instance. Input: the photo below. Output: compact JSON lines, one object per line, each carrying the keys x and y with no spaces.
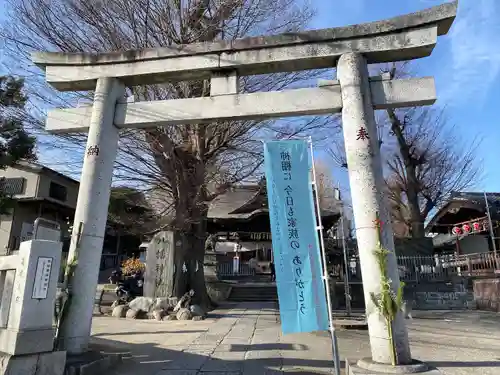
{"x":400,"y":38}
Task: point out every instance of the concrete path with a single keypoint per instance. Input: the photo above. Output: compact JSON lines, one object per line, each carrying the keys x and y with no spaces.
{"x":246,"y":340}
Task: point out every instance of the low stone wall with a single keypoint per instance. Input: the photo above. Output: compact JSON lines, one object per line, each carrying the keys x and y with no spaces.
{"x":487,"y":294}
{"x":455,"y":295}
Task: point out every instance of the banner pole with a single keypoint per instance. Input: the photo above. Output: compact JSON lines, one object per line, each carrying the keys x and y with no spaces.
{"x":344,"y":250}
{"x":335,"y":349}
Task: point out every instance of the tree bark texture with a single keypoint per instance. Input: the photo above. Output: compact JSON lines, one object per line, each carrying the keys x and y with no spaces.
{"x":412,"y":183}
{"x":189,"y":273}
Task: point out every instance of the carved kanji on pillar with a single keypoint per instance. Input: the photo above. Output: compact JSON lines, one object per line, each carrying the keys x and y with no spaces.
{"x":362,"y":134}
{"x":93,"y":150}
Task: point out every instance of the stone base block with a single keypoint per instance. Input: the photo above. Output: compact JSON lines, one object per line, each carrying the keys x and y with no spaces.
{"x":24,"y":342}
{"x":51,"y":363}
{"x":367,"y":367}
{"x":92,"y":363}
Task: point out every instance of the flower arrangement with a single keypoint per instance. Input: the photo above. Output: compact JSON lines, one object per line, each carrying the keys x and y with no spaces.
{"x":132,"y":265}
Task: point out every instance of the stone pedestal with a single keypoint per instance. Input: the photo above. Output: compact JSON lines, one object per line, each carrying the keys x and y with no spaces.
{"x":51,"y":363}
{"x":26,"y":314}
{"x":210,"y":266}
{"x":368,"y":367}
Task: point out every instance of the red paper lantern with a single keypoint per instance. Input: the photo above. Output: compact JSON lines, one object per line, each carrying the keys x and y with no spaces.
{"x":467,"y":228}
{"x":456,"y":230}
{"x":476,"y":226}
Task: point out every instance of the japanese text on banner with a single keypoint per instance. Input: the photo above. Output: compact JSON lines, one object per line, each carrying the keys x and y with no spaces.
{"x":295,"y":242}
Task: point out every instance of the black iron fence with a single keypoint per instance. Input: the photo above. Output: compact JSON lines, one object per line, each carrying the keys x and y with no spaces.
{"x":228,"y":269}
{"x":433,"y":268}
{"x":411,"y":268}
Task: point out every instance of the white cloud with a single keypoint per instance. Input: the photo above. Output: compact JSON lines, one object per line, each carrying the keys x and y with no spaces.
{"x":474,"y":51}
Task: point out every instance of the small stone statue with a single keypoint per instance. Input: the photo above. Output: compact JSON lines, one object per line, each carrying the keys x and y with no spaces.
{"x":185,"y":301}
{"x":61,"y":298}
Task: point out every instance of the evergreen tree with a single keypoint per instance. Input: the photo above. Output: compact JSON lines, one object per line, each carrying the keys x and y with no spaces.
{"x":15,"y":142}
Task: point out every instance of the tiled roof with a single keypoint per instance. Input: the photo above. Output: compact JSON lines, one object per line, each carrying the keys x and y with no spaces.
{"x":472,"y":200}
{"x":231,"y":205}
{"x":477,"y":198}
{"x":224,"y":205}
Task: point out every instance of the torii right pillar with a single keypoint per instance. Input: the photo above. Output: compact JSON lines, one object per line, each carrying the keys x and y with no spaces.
{"x":367,"y":191}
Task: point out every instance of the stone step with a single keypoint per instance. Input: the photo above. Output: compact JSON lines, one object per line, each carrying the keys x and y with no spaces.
{"x":238,"y":292}
{"x":253,"y":293}
{"x":253,"y":299}
{"x":263,"y":295}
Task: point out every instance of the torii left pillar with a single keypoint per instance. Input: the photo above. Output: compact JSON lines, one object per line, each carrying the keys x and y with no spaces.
{"x":92,"y":213}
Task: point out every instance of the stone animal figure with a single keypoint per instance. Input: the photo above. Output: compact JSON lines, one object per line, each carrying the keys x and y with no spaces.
{"x":407,"y":309}
{"x":185,"y":301}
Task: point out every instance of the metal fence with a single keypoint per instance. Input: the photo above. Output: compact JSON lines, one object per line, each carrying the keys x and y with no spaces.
{"x":226,"y":269}
{"x":411,"y":268}
{"x":447,"y":266}
{"x":434,"y":268}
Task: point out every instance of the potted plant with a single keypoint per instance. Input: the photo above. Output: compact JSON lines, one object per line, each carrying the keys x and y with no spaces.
{"x":133,"y":266}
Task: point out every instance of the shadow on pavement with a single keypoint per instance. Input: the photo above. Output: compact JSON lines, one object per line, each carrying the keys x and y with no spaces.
{"x":463,"y":364}
{"x":261,"y":347}
{"x":149,"y":359}
{"x":233,"y":315}
{"x":464,"y":345}
{"x":143,"y":333}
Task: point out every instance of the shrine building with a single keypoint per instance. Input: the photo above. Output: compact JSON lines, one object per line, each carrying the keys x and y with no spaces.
{"x":238,"y":222}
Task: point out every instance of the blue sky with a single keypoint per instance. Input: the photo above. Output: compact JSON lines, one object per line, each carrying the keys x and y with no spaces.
{"x":465,"y":64}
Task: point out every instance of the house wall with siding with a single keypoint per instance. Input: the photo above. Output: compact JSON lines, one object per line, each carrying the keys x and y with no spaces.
{"x":31,"y":177}
{"x":71,"y":188}
{"x":5,"y":230}
{"x":36,"y":185}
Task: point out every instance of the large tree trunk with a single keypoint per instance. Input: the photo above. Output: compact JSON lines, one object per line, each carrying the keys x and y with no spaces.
{"x":191,"y":222}
{"x":412,"y":188}
{"x":189,"y":272}
{"x":185,"y":170}
{"x":417,"y":224}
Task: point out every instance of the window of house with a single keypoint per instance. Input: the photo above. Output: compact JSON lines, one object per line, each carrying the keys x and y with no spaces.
{"x":12,"y":186}
{"x":58,"y":192}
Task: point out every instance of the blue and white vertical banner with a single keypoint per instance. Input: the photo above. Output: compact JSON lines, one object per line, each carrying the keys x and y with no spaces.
{"x":296,"y":249}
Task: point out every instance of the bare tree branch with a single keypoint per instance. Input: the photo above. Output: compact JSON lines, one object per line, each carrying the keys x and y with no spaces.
{"x":424,"y":159}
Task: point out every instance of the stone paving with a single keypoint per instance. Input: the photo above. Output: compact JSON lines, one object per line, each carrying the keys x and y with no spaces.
{"x":246,"y":340}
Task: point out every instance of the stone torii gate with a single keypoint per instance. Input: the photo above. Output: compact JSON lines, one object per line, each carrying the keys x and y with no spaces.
{"x":355,"y":94}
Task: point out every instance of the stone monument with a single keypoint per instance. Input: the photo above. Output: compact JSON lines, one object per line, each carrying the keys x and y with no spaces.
{"x":160,"y":256}
{"x":28,"y":283}
{"x":355,"y":94}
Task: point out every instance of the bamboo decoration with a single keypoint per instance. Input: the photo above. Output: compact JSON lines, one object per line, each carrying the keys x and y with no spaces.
{"x":66,"y":292}
{"x":387,"y":302}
